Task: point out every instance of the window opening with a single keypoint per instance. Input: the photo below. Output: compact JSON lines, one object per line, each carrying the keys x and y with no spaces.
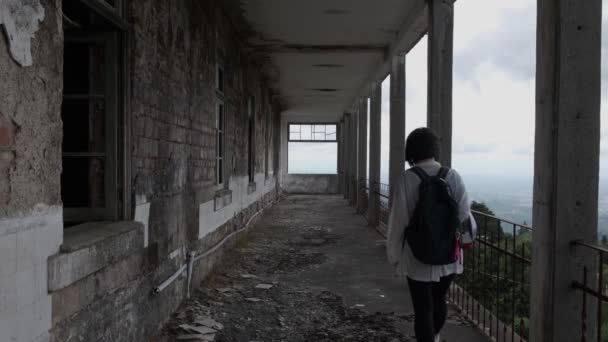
{"x":220,"y":148}
{"x":89,"y":112}
{"x":312,"y":148}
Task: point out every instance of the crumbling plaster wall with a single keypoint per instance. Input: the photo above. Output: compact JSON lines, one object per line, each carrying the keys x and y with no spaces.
{"x":20,"y":19}
{"x":31,"y":224}
{"x":175,"y":48}
{"x":30,"y":121}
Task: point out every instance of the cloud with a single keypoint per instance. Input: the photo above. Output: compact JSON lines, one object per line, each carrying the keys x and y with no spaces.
{"x":494,"y":88}
{"x":508,"y":47}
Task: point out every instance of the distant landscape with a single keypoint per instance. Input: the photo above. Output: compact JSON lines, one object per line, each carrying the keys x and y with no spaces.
{"x":510,"y":197}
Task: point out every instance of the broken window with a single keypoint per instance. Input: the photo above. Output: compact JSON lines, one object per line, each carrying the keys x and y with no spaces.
{"x":312,"y":149}
{"x":89,"y":113}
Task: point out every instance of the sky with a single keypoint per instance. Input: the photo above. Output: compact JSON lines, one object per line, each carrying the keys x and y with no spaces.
{"x":494,"y":89}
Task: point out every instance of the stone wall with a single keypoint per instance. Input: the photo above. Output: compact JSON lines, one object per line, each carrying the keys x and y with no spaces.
{"x":30,"y":163}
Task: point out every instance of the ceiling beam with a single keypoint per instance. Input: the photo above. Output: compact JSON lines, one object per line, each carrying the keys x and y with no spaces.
{"x":302,"y":48}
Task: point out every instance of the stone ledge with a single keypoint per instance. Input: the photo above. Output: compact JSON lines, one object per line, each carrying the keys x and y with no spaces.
{"x":222,"y":198}
{"x":90,"y":247}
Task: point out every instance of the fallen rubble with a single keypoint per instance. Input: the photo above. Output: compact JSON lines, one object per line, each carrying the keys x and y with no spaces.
{"x":245,"y":300}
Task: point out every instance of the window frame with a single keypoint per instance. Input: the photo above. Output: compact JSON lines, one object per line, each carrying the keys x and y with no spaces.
{"x":220,"y":141}
{"x":114,"y":14}
{"x":312,"y":124}
{"x":335,"y":141}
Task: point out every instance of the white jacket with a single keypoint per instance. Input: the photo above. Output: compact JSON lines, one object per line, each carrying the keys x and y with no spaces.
{"x":405,"y":197}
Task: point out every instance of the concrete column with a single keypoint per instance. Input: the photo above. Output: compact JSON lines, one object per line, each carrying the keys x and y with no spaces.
{"x":566,"y":167}
{"x":347,"y":171}
{"x":353,"y":158}
{"x":362,"y":154}
{"x":397,"y":120}
{"x":340,"y":135}
{"x":440,"y":57}
{"x":374,"y":152}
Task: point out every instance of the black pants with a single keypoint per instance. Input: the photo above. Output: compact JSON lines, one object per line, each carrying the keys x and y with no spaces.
{"x":430,"y":309}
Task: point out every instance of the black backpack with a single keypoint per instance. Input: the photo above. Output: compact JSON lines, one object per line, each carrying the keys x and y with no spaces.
{"x":432,"y":232}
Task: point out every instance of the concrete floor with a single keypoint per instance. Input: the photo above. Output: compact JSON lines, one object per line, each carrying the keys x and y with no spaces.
{"x":356,"y":268}
{"x":329,"y":281}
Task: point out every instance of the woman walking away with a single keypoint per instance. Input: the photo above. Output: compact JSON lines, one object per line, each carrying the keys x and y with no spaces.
{"x":429,"y":225}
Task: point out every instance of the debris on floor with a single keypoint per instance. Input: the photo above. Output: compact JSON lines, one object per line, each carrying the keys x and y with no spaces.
{"x":264,"y":290}
{"x":245,"y":301}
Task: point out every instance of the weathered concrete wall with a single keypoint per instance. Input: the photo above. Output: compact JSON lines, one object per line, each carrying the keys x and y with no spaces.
{"x":176,"y":46}
{"x":311,"y":184}
{"x":30,"y":163}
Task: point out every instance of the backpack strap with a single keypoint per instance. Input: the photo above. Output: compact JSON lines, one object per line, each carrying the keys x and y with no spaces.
{"x":420,"y":173}
{"x":443,"y":172}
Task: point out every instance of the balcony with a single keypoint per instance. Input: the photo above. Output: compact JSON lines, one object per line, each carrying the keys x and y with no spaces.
{"x":494,"y":290}
{"x":141,"y":139}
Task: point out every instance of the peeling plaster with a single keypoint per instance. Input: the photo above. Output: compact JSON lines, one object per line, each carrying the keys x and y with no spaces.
{"x":20,"y":19}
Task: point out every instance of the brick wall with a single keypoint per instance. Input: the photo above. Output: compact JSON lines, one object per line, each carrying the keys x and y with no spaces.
{"x":175,"y":48}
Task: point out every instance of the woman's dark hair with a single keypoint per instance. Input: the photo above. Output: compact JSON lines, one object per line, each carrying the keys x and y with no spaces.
{"x":421,"y":144}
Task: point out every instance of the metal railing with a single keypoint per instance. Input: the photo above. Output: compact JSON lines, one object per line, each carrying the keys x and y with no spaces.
{"x":364,"y":186}
{"x":494,"y":289}
{"x":383,"y":191}
{"x":593,"y":287}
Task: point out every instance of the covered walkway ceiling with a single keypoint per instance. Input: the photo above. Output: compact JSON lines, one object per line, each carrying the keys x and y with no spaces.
{"x":325,"y":53}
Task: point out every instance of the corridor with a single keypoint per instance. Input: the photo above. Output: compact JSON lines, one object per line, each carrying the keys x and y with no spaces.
{"x":309,"y":270}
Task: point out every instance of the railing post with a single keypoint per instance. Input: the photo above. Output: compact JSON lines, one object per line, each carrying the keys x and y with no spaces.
{"x":566,"y":167}
{"x":374,"y":153}
{"x":362,"y":154}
